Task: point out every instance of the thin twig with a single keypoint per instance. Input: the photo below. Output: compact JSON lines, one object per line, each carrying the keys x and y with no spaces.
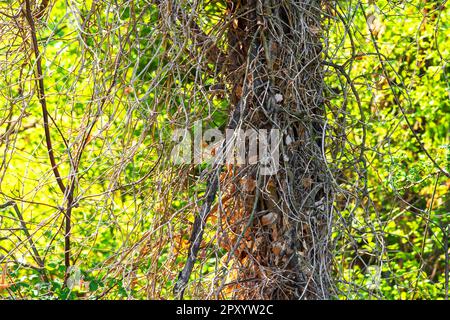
{"x":41,"y":95}
{"x":35,"y":254}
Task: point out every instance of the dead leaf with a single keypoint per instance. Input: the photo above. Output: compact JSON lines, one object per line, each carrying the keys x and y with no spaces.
{"x":235,"y":23}
{"x":239,"y":91}
{"x":276,"y":249}
{"x":128,"y":90}
{"x":359,"y":56}
{"x":268,"y":218}
{"x":274,"y":233}
{"x":248,"y":184}
{"x":315,"y":30}
{"x":307,"y":182}
{"x":376,"y":27}
{"x":3,"y":281}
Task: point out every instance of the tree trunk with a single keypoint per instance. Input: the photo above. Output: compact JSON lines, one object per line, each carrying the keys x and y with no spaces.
{"x":276,"y":227}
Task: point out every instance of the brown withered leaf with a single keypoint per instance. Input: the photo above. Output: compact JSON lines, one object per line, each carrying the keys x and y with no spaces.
{"x":235,"y":23}
{"x":315,"y":30}
{"x":268,"y":218}
{"x":248,"y":184}
{"x":277,"y":248}
{"x":274,"y":233}
{"x":239,"y":91}
{"x":307,"y":182}
{"x":360,"y":56}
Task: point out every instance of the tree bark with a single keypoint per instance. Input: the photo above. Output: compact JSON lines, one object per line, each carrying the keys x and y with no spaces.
{"x":276,"y":228}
